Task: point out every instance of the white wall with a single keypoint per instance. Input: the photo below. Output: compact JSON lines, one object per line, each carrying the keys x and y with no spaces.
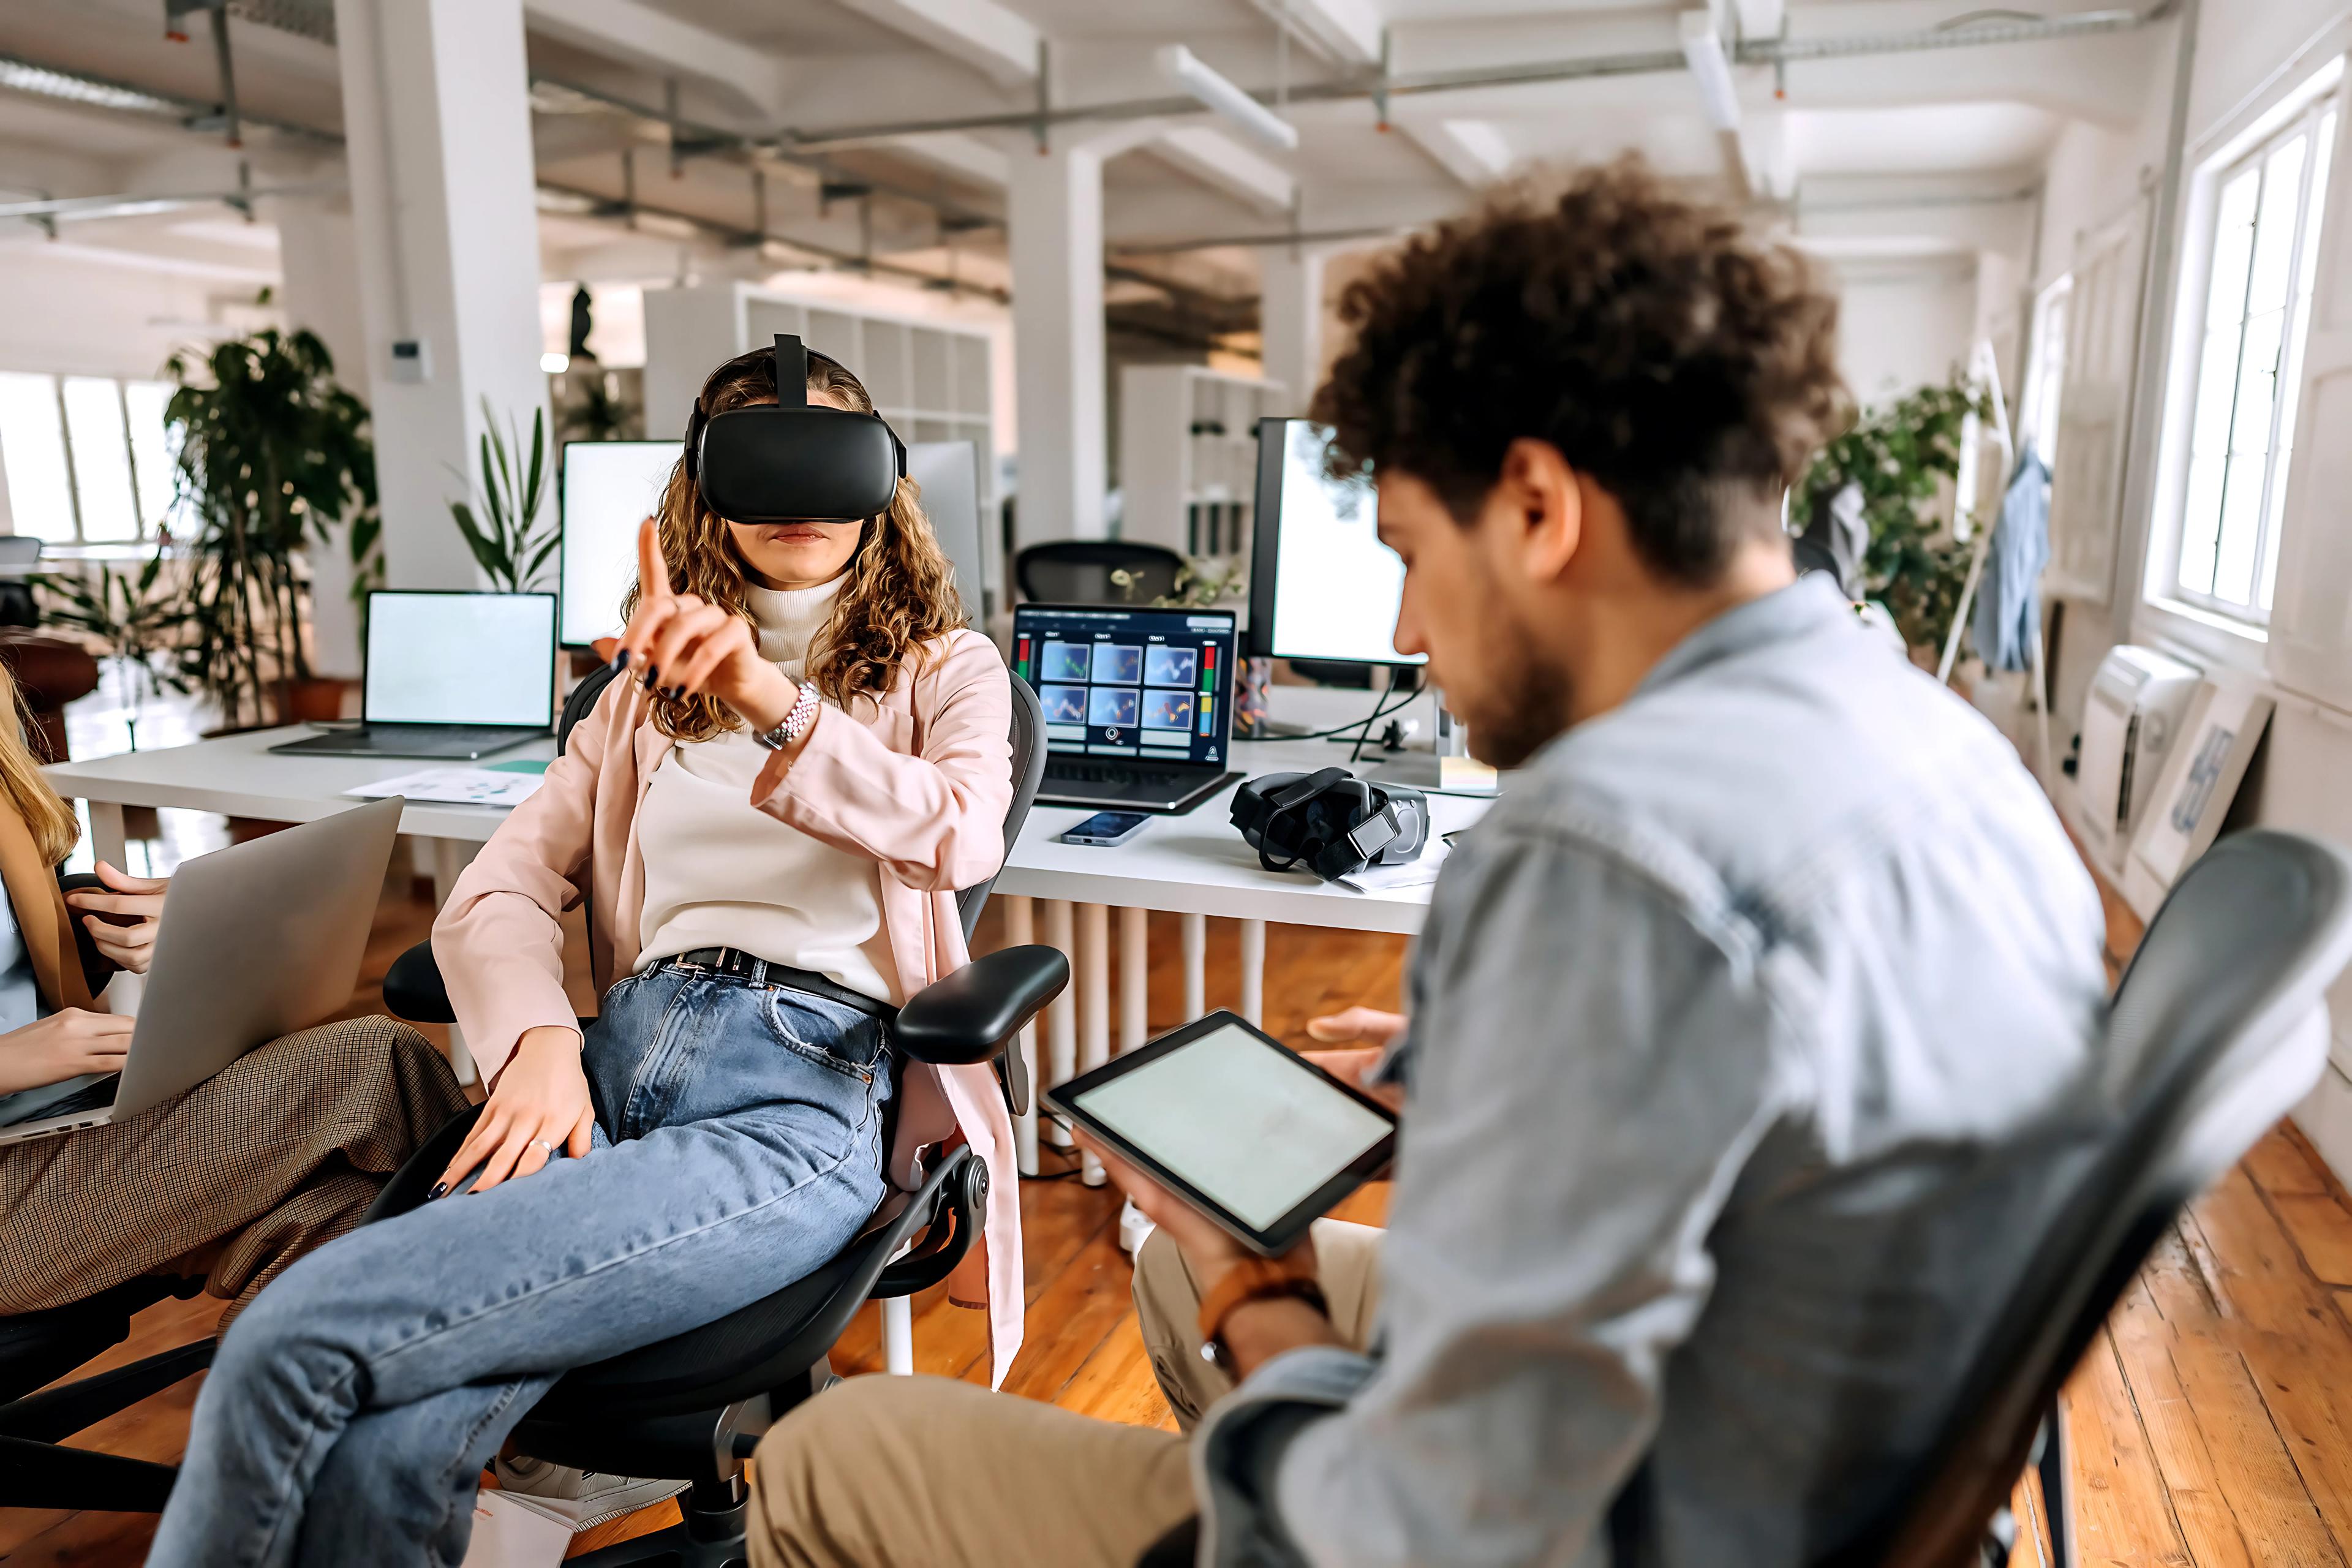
{"x":1900,"y":328}
{"x":84,"y":310}
{"x":2245,"y":49}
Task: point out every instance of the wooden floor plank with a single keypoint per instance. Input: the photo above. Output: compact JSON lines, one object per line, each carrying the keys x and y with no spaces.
{"x":2121,"y":1517}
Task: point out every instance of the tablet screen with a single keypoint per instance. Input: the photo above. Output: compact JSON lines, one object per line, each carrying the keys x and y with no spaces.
{"x":1251,"y":1126}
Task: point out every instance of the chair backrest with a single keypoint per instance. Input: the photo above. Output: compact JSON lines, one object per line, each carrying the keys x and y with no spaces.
{"x":1078,"y":571}
{"x":1028,"y":766}
{"x":1028,"y":777}
{"x":2218,"y":1029}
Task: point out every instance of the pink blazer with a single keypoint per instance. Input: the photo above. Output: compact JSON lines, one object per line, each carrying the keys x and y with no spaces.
{"x":920,"y":780}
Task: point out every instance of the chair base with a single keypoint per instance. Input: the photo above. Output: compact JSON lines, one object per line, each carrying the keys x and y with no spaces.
{"x":710,"y":1535}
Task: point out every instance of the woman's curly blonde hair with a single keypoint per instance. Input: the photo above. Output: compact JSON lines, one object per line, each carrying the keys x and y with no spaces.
{"x":900,"y":593}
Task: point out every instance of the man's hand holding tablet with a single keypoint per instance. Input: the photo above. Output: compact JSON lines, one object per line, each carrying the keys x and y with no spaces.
{"x":1233,"y":1145}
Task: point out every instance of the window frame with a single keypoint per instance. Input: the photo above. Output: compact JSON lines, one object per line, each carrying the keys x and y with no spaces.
{"x":147,"y":527}
{"x":2042,"y":399}
{"x":2300,"y":110}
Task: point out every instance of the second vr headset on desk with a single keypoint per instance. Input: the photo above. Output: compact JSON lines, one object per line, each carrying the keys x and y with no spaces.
{"x":791,"y":462}
{"x":1330,"y":821}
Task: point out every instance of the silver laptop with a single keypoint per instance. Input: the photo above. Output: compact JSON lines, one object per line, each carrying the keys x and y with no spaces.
{"x":449,"y":675}
{"x":258,"y":940}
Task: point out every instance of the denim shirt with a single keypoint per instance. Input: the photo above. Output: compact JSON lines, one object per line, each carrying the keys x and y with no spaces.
{"x":1751,"y":1035}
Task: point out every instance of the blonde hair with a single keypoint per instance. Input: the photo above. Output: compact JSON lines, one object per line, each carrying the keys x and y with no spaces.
{"x":901,"y":590}
{"x":54,"y":828}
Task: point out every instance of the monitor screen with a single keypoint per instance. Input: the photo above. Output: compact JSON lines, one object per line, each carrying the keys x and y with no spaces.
{"x":1149,"y":684}
{"x":460,"y":658}
{"x":609,"y":487}
{"x":1322,"y":585}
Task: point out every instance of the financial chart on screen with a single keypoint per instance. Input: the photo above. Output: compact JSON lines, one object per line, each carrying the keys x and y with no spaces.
{"x":1149,"y":684}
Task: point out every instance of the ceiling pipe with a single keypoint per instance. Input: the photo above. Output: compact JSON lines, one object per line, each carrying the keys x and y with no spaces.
{"x":1638,"y":62}
{"x":70,"y":209}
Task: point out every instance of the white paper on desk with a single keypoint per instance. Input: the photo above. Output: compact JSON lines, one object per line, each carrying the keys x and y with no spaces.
{"x":507,"y":1534}
{"x":455,"y":787}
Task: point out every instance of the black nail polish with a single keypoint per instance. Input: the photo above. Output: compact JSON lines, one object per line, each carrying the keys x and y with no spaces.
{"x":438,"y":1188}
{"x":649,"y":678}
{"x":620,"y":662}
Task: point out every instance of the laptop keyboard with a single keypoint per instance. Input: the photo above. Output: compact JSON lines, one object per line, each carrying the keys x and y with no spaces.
{"x":1060,"y":771}
{"x":90,"y":1097}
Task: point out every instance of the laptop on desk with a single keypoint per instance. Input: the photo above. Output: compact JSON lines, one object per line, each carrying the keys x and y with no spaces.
{"x":451,"y":675}
{"x":258,"y":940}
{"x":1137,"y":702}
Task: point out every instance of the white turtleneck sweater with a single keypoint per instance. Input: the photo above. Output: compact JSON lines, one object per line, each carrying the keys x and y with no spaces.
{"x":721,"y":872}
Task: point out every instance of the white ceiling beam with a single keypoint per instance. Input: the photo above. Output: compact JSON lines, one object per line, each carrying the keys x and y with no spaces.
{"x":1209,"y":155}
{"x":1346,"y":32}
{"x":1710,"y":68}
{"x":955,"y":152}
{"x":993,"y":40}
{"x":1475,"y":152}
{"x":641,"y":36}
{"x":1768,"y":154}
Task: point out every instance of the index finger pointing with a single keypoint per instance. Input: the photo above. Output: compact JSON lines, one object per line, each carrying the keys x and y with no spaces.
{"x":653,"y":572}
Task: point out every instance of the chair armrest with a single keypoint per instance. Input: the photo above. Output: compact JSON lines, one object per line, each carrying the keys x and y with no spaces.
{"x":968,"y":1017}
{"x":413,"y":990}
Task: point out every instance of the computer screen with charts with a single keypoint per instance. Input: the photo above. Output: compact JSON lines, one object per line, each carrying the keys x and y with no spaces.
{"x":1322,"y":585}
{"x":1149,"y":684}
{"x":609,"y":487}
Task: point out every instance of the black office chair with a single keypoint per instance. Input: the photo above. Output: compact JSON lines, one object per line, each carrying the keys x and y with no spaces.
{"x":691,"y":1407}
{"x":36,"y":1468}
{"x":1096,"y":571}
{"x":2218,"y":1030}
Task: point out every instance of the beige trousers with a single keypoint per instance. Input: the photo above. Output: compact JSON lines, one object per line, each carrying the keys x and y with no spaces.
{"x":915,"y":1472}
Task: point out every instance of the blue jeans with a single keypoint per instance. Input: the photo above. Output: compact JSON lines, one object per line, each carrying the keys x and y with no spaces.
{"x":352,"y":1407}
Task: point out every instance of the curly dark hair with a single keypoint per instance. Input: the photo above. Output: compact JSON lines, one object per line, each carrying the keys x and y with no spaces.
{"x":1687,"y":367}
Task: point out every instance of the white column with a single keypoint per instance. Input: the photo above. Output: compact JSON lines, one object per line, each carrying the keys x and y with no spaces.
{"x":1054,"y":206}
{"x":443,"y":197}
{"x":1196,"y":966}
{"x":1290,"y":321}
{"x":318,"y":257}
{"x":1094,"y":1004}
{"x":1019,"y":931}
{"x":1134,"y":977}
{"x":1253,"y":972}
{"x":1062,"y":1017}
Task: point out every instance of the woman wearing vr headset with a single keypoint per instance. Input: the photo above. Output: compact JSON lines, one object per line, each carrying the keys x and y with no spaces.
{"x":768,"y":812}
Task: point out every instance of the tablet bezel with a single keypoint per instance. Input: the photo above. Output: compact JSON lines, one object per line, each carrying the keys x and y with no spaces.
{"x":1285,"y":1232}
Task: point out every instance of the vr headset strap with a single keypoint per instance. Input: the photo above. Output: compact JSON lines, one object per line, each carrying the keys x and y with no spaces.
{"x":791,"y":374}
{"x":1355,"y":851}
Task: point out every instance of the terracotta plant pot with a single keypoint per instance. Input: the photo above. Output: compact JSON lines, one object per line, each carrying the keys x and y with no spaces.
{"x":319,"y":700}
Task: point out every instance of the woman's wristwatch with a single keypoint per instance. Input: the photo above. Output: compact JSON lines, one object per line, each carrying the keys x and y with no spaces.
{"x":796,"y":723}
{"x":1251,"y":1280}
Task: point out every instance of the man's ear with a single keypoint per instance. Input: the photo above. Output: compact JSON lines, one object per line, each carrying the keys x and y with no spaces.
{"x":1547,"y":507}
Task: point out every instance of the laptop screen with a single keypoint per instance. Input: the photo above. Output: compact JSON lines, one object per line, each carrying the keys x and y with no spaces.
{"x":1152,"y":685}
{"x":461,"y":658}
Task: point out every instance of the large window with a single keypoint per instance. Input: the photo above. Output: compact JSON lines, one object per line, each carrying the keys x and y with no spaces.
{"x":2257,"y":309}
{"x":88,"y":459}
{"x":2046,"y":376}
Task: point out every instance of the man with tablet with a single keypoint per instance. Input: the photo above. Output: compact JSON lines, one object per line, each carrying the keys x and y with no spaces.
{"x":1752,"y":1035}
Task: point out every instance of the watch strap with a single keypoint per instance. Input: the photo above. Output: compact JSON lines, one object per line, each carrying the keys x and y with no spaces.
{"x":796,"y":720}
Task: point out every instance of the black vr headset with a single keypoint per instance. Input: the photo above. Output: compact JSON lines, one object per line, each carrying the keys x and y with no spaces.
{"x":1332,"y":822}
{"x":788,"y":462}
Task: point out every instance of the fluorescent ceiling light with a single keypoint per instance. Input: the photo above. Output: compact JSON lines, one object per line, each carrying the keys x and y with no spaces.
{"x":21,"y":76}
{"x":1710,"y":67}
{"x":1219,"y":93}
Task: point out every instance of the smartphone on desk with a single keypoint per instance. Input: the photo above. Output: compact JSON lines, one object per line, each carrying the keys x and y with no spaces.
{"x":1105,"y":828}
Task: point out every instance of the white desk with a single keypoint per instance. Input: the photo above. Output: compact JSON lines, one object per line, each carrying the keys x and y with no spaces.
{"x":1194,"y":865}
{"x":237,"y":776}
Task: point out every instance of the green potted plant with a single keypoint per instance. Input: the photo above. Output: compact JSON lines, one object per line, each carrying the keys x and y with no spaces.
{"x":508,"y":541}
{"x":1899,"y":457}
{"x":134,"y":617}
{"x":273,"y":454}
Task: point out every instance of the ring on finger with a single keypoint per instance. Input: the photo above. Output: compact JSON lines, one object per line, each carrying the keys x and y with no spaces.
{"x":543,"y":1143}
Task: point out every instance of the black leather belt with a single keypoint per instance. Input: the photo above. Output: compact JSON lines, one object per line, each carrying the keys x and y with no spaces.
{"x":734,"y":961}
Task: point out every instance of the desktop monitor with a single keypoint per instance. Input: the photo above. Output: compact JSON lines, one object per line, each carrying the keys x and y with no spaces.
{"x":460,"y":658}
{"x":949,"y":473}
{"x":609,"y":487}
{"x":1322,"y":585}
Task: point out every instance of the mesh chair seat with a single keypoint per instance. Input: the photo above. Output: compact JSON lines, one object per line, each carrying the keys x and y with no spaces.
{"x":1096,"y":571}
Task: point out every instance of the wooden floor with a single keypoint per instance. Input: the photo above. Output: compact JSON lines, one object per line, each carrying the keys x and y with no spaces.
{"x":2211,"y":1423}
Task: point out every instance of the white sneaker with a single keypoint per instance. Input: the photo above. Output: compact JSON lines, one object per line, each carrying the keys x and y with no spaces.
{"x":1134,"y":1230}
{"x":580,"y":1498}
